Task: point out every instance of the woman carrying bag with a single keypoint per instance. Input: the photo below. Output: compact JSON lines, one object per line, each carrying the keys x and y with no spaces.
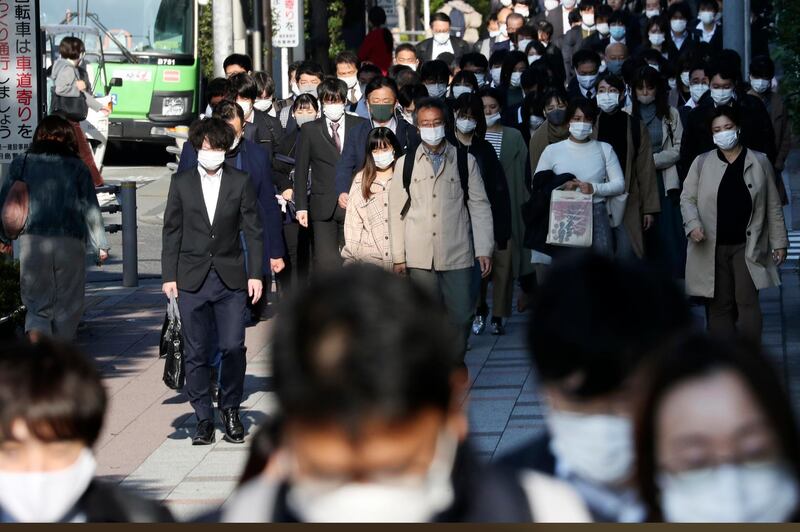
{"x":733,"y":218}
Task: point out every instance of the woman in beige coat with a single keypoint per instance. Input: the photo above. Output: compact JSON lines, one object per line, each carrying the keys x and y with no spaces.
{"x":737,"y":237}
{"x":366,"y":222}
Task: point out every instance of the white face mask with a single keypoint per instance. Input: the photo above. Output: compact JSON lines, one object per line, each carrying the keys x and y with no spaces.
{"x":411,"y":499}
{"x":441,"y":37}
{"x":466,"y":125}
{"x":458,"y":90}
{"x":533,"y":58}
{"x":516,"y":79}
{"x":608,"y":101}
{"x":586,"y":82}
{"x":726,"y":140}
{"x":650,"y":13}
{"x":760,"y":85}
{"x":673,"y":83}
{"x":603,"y":28}
{"x":236,"y":142}
{"x":697,"y":91}
{"x":333,"y":111}
{"x":492,"y":119}
{"x":588,"y":19}
{"x":247,"y":107}
{"x":678,"y":25}
{"x":436,"y":90}
{"x":522,"y":44}
{"x":494,"y":33}
{"x":535,"y":121}
{"x":350,"y":81}
{"x":506,"y":3}
{"x":569,"y":4}
{"x":550,"y":4}
{"x":685,"y":79}
{"x":412,"y":66}
{"x":383,"y":159}
{"x":210,"y":160}
{"x":263,"y":104}
{"x":597,"y":448}
{"x":303,"y":119}
{"x":656,"y":39}
{"x":743,"y":493}
{"x":309,"y":89}
{"x":706,"y":17}
{"x":432,"y":136}
{"x":295,"y":88}
{"x":580,"y":130}
{"x":495,"y":73}
{"x":46,"y":497}
{"x":721,"y":96}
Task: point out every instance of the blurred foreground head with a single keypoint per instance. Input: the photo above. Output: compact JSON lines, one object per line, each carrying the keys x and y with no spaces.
{"x":363,"y":371}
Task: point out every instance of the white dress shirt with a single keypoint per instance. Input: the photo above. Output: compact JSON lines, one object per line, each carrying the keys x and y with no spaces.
{"x":706,"y":36}
{"x":679,"y":39}
{"x":210,"y":184}
{"x":340,"y":131}
{"x":442,"y":48}
{"x":565,"y":20}
{"x":391,"y":124}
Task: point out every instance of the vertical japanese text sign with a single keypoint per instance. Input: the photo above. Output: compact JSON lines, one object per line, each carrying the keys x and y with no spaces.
{"x":20,"y":95}
{"x":285,"y":21}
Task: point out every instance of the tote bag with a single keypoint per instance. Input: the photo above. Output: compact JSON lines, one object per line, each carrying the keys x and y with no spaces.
{"x":570,"y":219}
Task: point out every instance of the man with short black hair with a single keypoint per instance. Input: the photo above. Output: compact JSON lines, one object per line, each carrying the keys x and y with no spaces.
{"x":477,"y":64}
{"x":237,"y":64}
{"x":585,"y":70}
{"x":406,"y":54}
{"x":307,"y":77}
{"x":319,"y":148}
{"x":347,"y":71}
{"x":441,"y":42}
{"x":593,"y":324}
{"x":573,"y":39}
{"x":202,"y":264}
{"x":440,"y":219}
{"x":259,"y":127}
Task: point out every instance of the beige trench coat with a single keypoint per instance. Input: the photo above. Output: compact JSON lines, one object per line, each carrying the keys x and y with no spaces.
{"x":766,"y":230}
{"x":439,"y":232}
{"x":366,"y":225}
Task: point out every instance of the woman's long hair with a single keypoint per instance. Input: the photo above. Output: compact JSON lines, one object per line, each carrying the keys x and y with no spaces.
{"x":648,"y":76}
{"x":471,"y":105}
{"x":378,"y":138}
{"x":55,"y":136}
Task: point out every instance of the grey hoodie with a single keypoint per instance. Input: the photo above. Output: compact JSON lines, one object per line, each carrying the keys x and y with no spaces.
{"x":64,"y":76}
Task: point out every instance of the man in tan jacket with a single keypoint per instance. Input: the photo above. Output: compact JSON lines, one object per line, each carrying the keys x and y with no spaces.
{"x":437,"y":237}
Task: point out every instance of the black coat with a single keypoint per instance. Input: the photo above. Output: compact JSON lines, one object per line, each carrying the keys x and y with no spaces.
{"x":556,"y":18}
{"x":191,"y":244}
{"x":107,"y":503}
{"x":757,"y":132}
{"x":317,"y":153}
{"x":425,"y":49}
{"x":536,"y":212}
{"x":265,"y":130}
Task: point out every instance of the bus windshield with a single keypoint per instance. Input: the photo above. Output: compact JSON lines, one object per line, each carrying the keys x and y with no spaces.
{"x":142,"y":27}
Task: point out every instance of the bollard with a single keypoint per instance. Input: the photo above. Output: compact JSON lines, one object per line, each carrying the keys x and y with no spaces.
{"x":130,"y":258}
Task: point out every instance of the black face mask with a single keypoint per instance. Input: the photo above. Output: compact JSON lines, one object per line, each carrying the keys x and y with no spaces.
{"x":557,"y":117}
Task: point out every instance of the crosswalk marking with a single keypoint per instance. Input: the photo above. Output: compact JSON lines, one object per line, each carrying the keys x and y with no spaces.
{"x":794,"y":246}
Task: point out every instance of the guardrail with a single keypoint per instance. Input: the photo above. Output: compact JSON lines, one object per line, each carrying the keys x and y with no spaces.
{"x":126,"y":205}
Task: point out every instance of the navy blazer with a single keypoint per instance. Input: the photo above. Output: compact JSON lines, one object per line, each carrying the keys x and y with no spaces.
{"x":354,"y":154}
{"x":256,"y":162}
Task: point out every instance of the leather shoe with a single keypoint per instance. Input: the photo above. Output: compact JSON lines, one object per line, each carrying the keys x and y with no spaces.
{"x":204,"y":434}
{"x":234,"y":430}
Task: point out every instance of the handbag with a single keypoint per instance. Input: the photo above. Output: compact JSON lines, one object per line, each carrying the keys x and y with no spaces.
{"x":16,"y":207}
{"x":570,"y":219}
{"x":171,"y":347}
{"x":615,"y":204}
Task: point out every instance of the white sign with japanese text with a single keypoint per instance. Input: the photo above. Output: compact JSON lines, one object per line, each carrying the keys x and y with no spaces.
{"x":19,"y":77}
{"x":285,"y":18}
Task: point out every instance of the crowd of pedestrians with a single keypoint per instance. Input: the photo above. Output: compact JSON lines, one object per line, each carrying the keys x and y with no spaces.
{"x":438,"y":162}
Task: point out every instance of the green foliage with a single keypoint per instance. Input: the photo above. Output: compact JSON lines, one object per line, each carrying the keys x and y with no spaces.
{"x":335,"y":18}
{"x":788,"y":54}
{"x":206,"y":41}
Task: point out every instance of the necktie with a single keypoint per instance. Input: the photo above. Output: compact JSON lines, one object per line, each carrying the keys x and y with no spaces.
{"x":335,"y":135}
{"x":353,"y":95}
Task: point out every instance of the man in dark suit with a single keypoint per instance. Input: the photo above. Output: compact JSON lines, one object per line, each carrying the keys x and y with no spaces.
{"x":261,"y":128}
{"x":554,"y":16}
{"x":381,"y":96}
{"x":589,"y":381}
{"x":318,"y":150}
{"x":203,"y":266}
{"x":586,"y":68}
{"x":442,"y":41}
{"x":573,"y":40}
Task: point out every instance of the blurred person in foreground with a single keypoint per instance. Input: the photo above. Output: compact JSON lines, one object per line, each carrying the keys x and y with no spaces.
{"x":373,"y":424}
{"x":717,"y":440}
{"x":52,"y":405}
{"x":593,"y":324}
{"x":63,"y":217}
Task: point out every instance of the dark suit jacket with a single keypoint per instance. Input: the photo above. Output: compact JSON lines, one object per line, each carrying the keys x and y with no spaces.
{"x":425,"y":49}
{"x":556,"y":18}
{"x":265,"y":130}
{"x":251,"y":158}
{"x":191,"y":244}
{"x":354,"y":154}
{"x":573,"y":41}
{"x":716,"y":41}
{"x":757,"y":132}
{"x":317,"y":153}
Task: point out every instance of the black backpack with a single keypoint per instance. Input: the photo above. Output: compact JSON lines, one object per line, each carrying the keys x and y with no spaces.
{"x":408,"y":169}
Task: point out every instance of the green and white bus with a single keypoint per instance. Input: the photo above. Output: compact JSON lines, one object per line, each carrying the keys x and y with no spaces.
{"x":151,"y":45}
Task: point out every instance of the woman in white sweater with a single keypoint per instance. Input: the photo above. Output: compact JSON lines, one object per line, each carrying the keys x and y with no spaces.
{"x":593,"y":163}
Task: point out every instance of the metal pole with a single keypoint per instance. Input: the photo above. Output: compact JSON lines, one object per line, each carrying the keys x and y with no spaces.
{"x":256,"y":36}
{"x":130,"y":253}
{"x":426,"y":15}
{"x":748,"y":47}
{"x":733,"y":36}
{"x":267,"y":19}
{"x":222,"y":13}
